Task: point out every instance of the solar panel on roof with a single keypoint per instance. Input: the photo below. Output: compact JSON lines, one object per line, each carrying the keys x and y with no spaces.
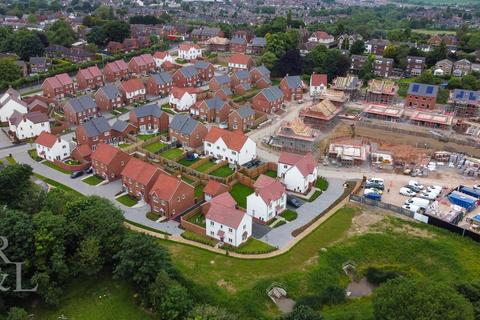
{"x":429,"y":90}
{"x":472,"y":96}
{"x":459,"y":94}
{"x":415,"y":88}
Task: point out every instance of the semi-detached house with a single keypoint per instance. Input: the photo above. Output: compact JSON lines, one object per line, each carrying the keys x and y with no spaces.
{"x":268,"y":100}
{"x":28,"y":125}
{"x":108,"y":98}
{"x":79,"y":110}
{"x":189,"y":51}
{"x":187,"y":131}
{"x":138,"y":178}
{"x":115,"y":71}
{"x":234,"y":147}
{"x":9,"y":103}
{"x":108,"y":161}
{"x":58,"y":86}
{"x":133,"y":91}
{"x":160,"y":84}
{"x":89,"y":78}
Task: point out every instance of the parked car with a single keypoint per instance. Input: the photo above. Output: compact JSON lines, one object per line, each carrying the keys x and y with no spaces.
{"x":407,"y":192}
{"x":76,"y":174}
{"x":476,"y":186}
{"x":413,"y":188}
{"x":411,"y":207}
{"x":416,"y":184}
{"x":434,"y":188}
{"x":374,"y":185}
{"x":369,"y":190}
{"x":373,"y":196}
{"x":429,"y":195}
{"x":420,"y":202}
{"x":294,"y":202}
{"x":376,"y":180}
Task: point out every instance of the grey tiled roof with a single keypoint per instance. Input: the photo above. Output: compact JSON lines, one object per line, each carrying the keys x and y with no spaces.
{"x":82,"y":104}
{"x":151,"y":109}
{"x":120,"y":125}
{"x":189,"y":71}
{"x":201,"y":64}
{"x":96,"y":126}
{"x":263,"y":70}
{"x":245,"y":111}
{"x":110,"y":90}
{"x":294,"y":82}
{"x":242,"y":74}
{"x":272,"y":93}
{"x":162,"y":78}
{"x":215,"y":103}
{"x":259,"y":42}
{"x":238,"y":40}
{"x":223,"y":79}
{"x":183,"y":124}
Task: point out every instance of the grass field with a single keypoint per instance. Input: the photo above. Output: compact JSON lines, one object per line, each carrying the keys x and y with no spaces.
{"x":127,"y":200}
{"x":124,"y":145}
{"x":205,"y":166}
{"x":155,"y":146}
{"x":433,"y":32}
{"x":54,"y":166}
{"x":253,"y":246}
{"x":58,"y":185}
{"x":224,"y":171}
{"x":172,"y":153}
{"x":240,"y":192}
{"x":145,"y":137}
{"x":33,"y":154}
{"x":93,"y":180}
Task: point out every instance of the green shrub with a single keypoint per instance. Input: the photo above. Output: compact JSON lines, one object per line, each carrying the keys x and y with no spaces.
{"x":377,"y":276}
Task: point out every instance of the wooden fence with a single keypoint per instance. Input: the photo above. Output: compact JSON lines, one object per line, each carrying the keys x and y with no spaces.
{"x":72,"y":167}
{"x":185,"y":224}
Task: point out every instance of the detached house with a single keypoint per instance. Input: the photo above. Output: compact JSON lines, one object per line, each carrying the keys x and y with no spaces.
{"x":421,"y":95}
{"x":234,"y":147}
{"x":318,"y":84}
{"x":187,"y":131}
{"x":132,"y":91}
{"x":108,"y":98}
{"x":138,"y":178}
{"x":149,"y":118}
{"x":115,"y":71}
{"x":79,"y":110}
{"x":58,"y":86}
{"x":170,"y":196}
{"x":219,"y":82}
{"x":298,"y":172}
{"x":240,"y":61}
{"x":9,"y":103}
{"x":108,"y":161}
{"x":260,"y":77}
{"x":257,"y":46}
{"x":321,"y":37}
{"x":292,"y":88}
{"x":161,"y":57}
{"x":465,"y":103}
{"x":89,"y":78}
{"x":141,"y":65}
{"x":28,"y":125}
{"x":268,"y":200}
{"x":38,"y":65}
{"x":211,"y":110}
{"x":50,"y":147}
{"x":242,"y":118}
{"x":268,"y":100}
{"x":160,"y":84}
{"x":383,"y":67}
{"x":205,"y":70}
{"x":240,"y":77}
{"x":238,"y":45}
{"x":182,"y":99}
{"x":186,"y":76}
{"x":415,"y":65}
{"x":189,"y":51}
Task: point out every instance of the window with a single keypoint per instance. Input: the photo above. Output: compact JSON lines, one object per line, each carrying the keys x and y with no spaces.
{"x":212,"y":233}
{"x":230,"y":240}
{"x":212,"y":223}
{"x":230,"y":230}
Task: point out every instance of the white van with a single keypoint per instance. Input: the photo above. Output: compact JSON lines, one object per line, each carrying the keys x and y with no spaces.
{"x":422,"y":203}
{"x":415,"y":184}
{"x":376,"y":180}
{"x":411,"y":207}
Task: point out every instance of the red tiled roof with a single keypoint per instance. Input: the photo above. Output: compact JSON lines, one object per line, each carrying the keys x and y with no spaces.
{"x":132,"y":85}
{"x":305,"y":163}
{"x":214,"y":188}
{"x":117,"y":66}
{"x":161,"y":54}
{"x":187,"y":46}
{"x":229,"y":217}
{"x":84,"y":150}
{"x":268,"y":188}
{"x":178,"y":92}
{"x":46,"y":139}
{"x":140,"y":171}
{"x":64,"y":78}
{"x":322,"y":35}
{"x":239,"y":58}
{"x":166,"y":185}
{"x":225,"y":199}
{"x":105,"y":153}
{"x":318,"y":79}
{"x":90,"y":72}
{"x":143,"y":59}
{"x":233,"y":139}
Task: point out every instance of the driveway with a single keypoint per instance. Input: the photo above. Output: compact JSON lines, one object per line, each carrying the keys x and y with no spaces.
{"x":259,"y":230}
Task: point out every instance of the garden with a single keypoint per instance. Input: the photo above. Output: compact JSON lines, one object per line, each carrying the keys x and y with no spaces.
{"x":188,"y":162}
{"x":198,"y":219}
{"x":93,"y":180}
{"x":223,"y":172}
{"x":271,"y":173}
{"x":240,"y":192}
{"x":205,"y":166}
{"x":154,"y":147}
{"x":127,"y":200}
{"x":172,"y":153}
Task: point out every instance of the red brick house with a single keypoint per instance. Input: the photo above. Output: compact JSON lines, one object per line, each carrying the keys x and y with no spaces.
{"x":114,"y":47}
{"x":89,"y":78}
{"x":238,"y":45}
{"x":98,"y":131}
{"x":108,"y":98}
{"x":240,"y":77}
{"x":261,"y":77}
{"x":218,"y":82}
{"x":421,"y":95}
{"x":160,"y":84}
{"x":171,"y":196}
{"x":211,"y":110}
{"x":240,"y":61}
{"x":141,"y":65}
{"x":79,"y":110}
{"x":186,"y":76}
{"x":132,"y":91}
{"x":205,"y":70}
{"x":130,"y":44}
{"x":292,"y":88}
{"x":108,"y":161}
{"x":58,"y":86}
{"x":213,"y":188}
{"x":241,"y":119}
{"x":138,"y":178}
{"x":115,"y":71}
{"x":268,"y":100}
{"x":149,"y":118}
{"x":187,"y":131}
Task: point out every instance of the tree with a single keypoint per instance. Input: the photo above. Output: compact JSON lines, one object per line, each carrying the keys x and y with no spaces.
{"x":61,"y":33}
{"x":469,"y":82}
{"x":168,"y":298}
{"x":89,"y":259}
{"x":17,"y":314}
{"x":426,"y":77}
{"x":14,"y":180}
{"x":29,"y":45}
{"x":390,"y":51}
{"x":437,"y":54}
{"x":208,"y":312}
{"x":292,"y":37}
{"x":290,"y":63}
{"x":471,"y":291}
{"x":474,"y":41}
{"x":302,"y":313}
{"x":268,"y":59}
{"x":9,"y":71}
{"x":277,"y":43}
{"x":116,"y":30}
{"x":455,"y":83}
{"x":404,"y":298}
{"x":358,"y":47}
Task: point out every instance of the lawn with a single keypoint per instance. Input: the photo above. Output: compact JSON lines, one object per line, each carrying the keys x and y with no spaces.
{"x":187,"y":180}
{"x":199,"y":190}
{"x":321,"y":184}
{"x":186,"y":162}
{"x":72,"y":162}
{"x":172,"y":153}
{"x":124,"y":145}
{"x":127,"y":200}
{"x":433,"y":32}
{"x":314,"y":196}
{"x":224,"y":171}
{"x":93,"y":180}
{"x":189,"y":235}
{"x":198,"y":219}
{"x":33,"y":154}
{"x":240,"y":192}
{"x":10,"y":160}
{"x":152,"y":216}
{"x":145,"y":137}
{"x":253,"y":246}
{"x":279,"y":223}
{"x":289,"y":215}
{"x":271,"y":173}
{"x":205,"y":166}
{"x":155,"y":146}
{"x":54,"y":166}
{"x":58,"y":185}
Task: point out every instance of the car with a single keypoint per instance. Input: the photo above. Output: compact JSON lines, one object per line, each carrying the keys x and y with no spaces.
{"x":373,"y":196}
{"x":376,"y":180}
{"x":76,"y":174}
{"x":369,"y":190}
{"x":379,"y":191}
{"x":294,"y":202}
{"x":88,"y":171}
{"x":411,"y":207}
{"x":374,"y":185}
{"x":428,"y":195}
{"x":407,"y":192}
{"x":434,"y":188}
{"x":413,"y":188}
{"x":416,"y":184}
{"x":476,"y":186}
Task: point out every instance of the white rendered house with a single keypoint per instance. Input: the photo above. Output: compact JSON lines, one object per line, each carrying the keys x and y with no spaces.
{"x":9,"y":102}
{"x":268,"y":200}
{"x":234,"y":147}
{"x":28,"y":125}
{"x":298,"y":173}
{"x":51,"y":147}
{"x":160,"y":57}
{"x":318,"y":84}
{"x":189,"y":51}
{"x":182,"y":99}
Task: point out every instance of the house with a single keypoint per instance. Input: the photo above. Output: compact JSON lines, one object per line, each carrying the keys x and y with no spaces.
{"x":108,"y":161}
{"x":240,"y":77}
{"x":36,"y":104}
{"x":421,"y":95}
{"x":98,"y":130}
{"x":114,"y":47}
{"x":205,"y":33}
{"x":465,"y":103}
{"x":58,"y":86}
{"x":138,"y":177}
{"x":296,"y":136}
{"x":234,"y":147}
{"x":226,"y":223}
{"x":244,"y":34}
{"x":214,"y":188}
{"x":211,"y":110}
{"x":130,"y":44}
{"x":160,"y":57}
{"x":260,"y":77}
{"x":141,"y":65}
{"x":242,"y":118}
{"x":89,"y":78}
{"x":38,"y":65}
{"x":115,"y":71}
{"x":376,"y":46}
{"x":205,"y":70}
{"x":381,"y":91}
{"x":357,"y":62}
{"x":268,"y":100}
{"x":108,"y":98}
{"x":257,"y":46}
{"x":292,"y":88}
{"x":448,"y":39}
{"x":462,"y":68}
{"x":9,"y":103}
{"x":320,"y":115}
{"x":133,"y":91}
{"x":149,"y":118}
{"x":239,"y":61}
{"x":79,"y":110}
{"x":50,"y":147}
{"x":238,"y":45}
{"x":187,"y":131}
{"x":160,"y":84}
{"x":218,"y":44}
{"x":346,"y":41}
{"x":443,"y":67}
{"x":218,"y":82}
{"x":385,"y":113}
{"x":171,"y":196}
{"x":268,"y":200}
{"x":223,"y":93}
{"x":182,"y":99}
{"x":350,"y":85}
{"x":186,"y":76}
{"x":318,"y":84}
{"x":431,"y":119}
{"x":298,"y":172}
{"x":28,"y":125}
{"x":321,"y":37}
{"x":382,"y":67}
{"x":415,"y":65}
{"x":189,"y":51}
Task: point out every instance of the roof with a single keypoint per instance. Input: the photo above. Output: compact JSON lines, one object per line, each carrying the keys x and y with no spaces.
{"x":322,"y":35}
{"x":245,"y":111}
{"x":110,"y":90}
{"x":105,"y":153}
{"x":120,"y":125}
{"x":268,"y":188}
{"x":151,"y":109}
{"x":178,"y":92}
{"x":318,"y":79}
{"x":382,"y":86}
{"x":188,"y":71}
{"x":241,"y":74}
{"x":262,"y":70}
{"x":140,"y":171}
{"x":214,"y":188}
{"x":215,"y":103}
{"x":465,"y":96}
{"x":166,"y":185}
{"x":432,"y":118}
{"x":423,"y":90}
{"x":233,"y":140}
{"x":225,"y":199}
{"x":37,"y":60}
{"x":384,"y":111}
{"x":259,"y":42}
{"x":294,"y":82}
{"x":202,"y":64}
{"x":183,"y":124}
{"x":238,"y":40}
{"x":81,"y":104}
{"x":239,"y":58}
{"x":117,"y":66}
{"x":95,"y":126}
{"x":187,"y":46}
{"x":90,"y":72}
{"x":272,"y":93}
{"x":161,"y":54}
{"x":223,"y":79}
{"x":324,"y":109}
{"x":222,"y":211}
{"x":46,"y":139}
{"x":162,"y":78}
{"x":350,"y":82}
{"x":143,"y":59}
{"x":132,"y":85}
{"x":305,"y":163}
{"x":35,"y":117}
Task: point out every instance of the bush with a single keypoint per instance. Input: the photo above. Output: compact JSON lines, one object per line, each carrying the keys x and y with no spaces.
{"x":377,"y":276}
